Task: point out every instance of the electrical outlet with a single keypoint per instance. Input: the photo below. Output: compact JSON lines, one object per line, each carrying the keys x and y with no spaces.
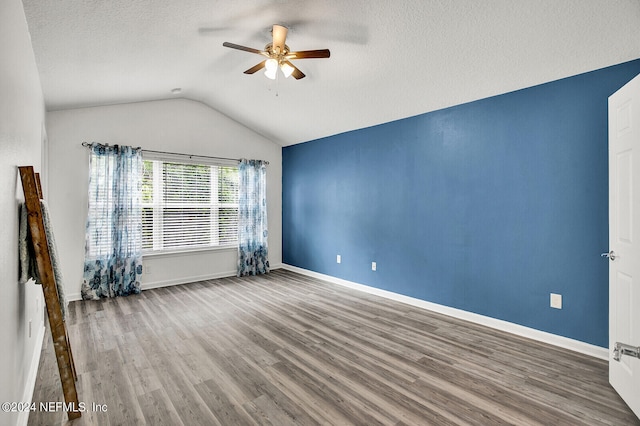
{"x":338,"y":259}
{"x":147,"y":269}
{"x":556,"y":301}
{"x":374,"y":266}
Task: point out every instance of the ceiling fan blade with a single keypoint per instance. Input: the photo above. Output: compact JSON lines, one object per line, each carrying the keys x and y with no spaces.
{"x":297,"y":74}
{"x":279,"y":37}
{"x":246,"y":49}
{"x":256,"y":68}
{"x":308,"y":54}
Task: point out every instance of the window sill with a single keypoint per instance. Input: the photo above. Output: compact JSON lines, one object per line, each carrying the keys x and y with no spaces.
{"x":186,"y":252}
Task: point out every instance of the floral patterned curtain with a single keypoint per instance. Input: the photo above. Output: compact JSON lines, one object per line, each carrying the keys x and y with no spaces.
{"x":252,"y":218}
{"x":113,"y":239}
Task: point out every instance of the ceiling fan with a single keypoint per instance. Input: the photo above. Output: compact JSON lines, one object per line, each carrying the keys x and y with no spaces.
{"x":279,"y":56}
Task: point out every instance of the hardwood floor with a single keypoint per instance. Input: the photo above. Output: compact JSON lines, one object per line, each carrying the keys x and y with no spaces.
{"x":286,"y":349}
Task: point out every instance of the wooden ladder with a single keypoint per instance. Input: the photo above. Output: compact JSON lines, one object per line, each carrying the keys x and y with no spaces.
{"x":32,"y":195}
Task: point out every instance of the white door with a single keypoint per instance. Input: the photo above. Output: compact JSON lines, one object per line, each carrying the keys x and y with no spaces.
{"x":624,"y":242}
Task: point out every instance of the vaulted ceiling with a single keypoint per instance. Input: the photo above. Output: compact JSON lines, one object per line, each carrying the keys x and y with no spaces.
{"x":389,"y":59}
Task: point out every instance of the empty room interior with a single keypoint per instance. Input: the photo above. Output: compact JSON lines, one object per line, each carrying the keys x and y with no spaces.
{"x":273,"y":212}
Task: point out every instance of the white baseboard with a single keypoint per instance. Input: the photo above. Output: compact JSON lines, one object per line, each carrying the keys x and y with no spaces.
{"x":187,"y":280}
{"x":167,"y":283}
{"x":520,"y":330}
{"x":30,"y":384}
{"x":73,"y":297}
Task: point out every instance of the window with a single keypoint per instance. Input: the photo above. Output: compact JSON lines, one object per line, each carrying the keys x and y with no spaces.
{"x":188,"y":206}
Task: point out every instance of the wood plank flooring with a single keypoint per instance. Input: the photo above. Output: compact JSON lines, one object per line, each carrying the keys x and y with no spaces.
{"x":285,"y":349}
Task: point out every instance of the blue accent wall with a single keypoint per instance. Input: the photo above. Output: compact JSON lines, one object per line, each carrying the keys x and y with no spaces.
{"x":488,"y":206}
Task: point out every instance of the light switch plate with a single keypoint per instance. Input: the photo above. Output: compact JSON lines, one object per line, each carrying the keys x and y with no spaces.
{"x":556,"y":301}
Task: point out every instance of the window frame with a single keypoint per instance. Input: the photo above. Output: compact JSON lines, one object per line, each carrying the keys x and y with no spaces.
{"x":158,"y":205}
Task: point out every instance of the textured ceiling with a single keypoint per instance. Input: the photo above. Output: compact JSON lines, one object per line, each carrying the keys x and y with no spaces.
{"x":389,"y":59}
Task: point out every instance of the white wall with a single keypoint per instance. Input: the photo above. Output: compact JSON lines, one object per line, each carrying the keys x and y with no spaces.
{"x":176,"y":125}
{"x":21,"y":130}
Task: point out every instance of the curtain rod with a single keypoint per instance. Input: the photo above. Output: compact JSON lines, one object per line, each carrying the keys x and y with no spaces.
{"x":86,"y":144}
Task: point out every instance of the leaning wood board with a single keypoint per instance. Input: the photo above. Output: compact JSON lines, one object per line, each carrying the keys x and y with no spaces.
{"x":32,"y":194}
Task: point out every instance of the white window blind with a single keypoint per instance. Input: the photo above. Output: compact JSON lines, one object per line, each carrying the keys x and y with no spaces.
{"x":188,"y":206}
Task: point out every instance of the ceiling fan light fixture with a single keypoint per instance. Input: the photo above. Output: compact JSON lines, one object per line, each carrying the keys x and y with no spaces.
{"x":286,"y":69}
{"x":271,"y":68}
{"x":278,"y":55}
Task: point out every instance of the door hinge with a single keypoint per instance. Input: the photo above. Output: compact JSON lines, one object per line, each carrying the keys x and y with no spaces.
{"x":620,"y":349}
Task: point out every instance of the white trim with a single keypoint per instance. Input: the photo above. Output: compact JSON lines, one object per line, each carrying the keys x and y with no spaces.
{"x":520,"y":330}
{"x":30,"y":384}
{"x":185,"y":280}
{"x":167,"y":283}
{"x":72,"y":297}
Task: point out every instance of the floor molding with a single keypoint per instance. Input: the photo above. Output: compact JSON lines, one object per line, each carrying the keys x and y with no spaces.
{"x":187,"y":280}
{"x":30,"y":384}
{"x":167,"y":283}
{"x":531,"y":333}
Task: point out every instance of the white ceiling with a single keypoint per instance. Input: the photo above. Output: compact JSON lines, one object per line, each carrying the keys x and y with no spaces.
{"x":389,"y":59}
